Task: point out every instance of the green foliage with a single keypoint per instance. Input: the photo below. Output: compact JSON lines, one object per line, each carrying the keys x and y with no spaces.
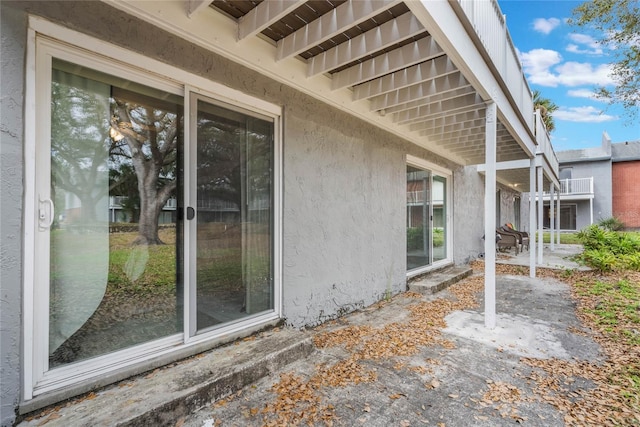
{"x":547,"y":107}
{"x":617,"y":29}
{"x":565,"y":238}
{"x":611,"y":224}
{"x":610,"y":250}
{"x":415,"y":238}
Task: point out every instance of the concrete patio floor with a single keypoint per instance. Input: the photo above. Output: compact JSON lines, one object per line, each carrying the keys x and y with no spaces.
{"x":560,"y":258}
{"x":445,"y":383}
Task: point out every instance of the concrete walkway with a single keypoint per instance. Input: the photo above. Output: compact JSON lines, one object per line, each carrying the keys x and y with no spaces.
{"x":445,"y":383}
{"x":560,"y":258}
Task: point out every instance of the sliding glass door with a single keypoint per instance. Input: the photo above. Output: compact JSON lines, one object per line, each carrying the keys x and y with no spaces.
{"x":154,"y":217}
{"x":427,"y":218}
{"x":233,"y":228}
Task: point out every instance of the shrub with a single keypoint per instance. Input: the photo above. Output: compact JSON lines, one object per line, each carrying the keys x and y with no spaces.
{"x":611,"y":224}
{"x":609,"y":250}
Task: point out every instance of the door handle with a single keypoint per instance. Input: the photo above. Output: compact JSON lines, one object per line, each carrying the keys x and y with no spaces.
{"x":191,"y":213}
{"x":42,"y":213}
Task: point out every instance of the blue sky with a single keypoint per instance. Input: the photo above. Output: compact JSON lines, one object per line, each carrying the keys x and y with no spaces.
{"x":565,"y":64}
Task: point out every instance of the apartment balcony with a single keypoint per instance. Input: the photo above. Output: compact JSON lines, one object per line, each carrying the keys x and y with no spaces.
{"x":574,"y":189}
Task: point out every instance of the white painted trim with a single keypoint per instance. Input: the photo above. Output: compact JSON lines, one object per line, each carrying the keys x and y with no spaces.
{"x":490,"y":218}
{"x":425,"y":164}
{"x":448,"y":175}
{"x":532,"y":218}
{"x":29,"y":226}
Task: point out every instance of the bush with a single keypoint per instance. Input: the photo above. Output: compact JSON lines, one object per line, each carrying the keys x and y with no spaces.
{"x":611,"y":224}
{"x":609,"y":250}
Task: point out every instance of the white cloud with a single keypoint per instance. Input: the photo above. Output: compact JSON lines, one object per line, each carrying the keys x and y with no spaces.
{"x":537,"y":64}
{"x":587,"y":114}
{"x":545,"y":26}
{"x":545,"y":68}
{"x":585,"y":93}
{"x":584,"y":73}
{"x":585,"y":44}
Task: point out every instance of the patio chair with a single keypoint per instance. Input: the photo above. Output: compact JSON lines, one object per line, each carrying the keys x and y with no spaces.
{"x":506,"y":241}
{"x":524,"y":236}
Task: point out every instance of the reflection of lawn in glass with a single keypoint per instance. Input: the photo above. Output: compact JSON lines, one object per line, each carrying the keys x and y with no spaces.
{"x":139,"y":303}
{"x":227,"y":275}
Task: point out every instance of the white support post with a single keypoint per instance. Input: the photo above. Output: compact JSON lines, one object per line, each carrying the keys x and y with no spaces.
{"x":552,"y":218}
{"x":532,"y":218}
{"x":490,"y":218}
{"x":558,"y":219}
{"x":591,"y":211}
{"x":540,"y":215}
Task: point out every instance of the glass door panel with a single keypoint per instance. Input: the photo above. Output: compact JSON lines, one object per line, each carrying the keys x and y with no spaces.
{"x":234,"y":231}
{"x":439,"y":223}
{"x":111,"y":227}
{"x":418,"y":218}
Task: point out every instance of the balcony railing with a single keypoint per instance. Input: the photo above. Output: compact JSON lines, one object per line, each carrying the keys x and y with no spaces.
{"x":491,"y":27}
{"x":575,"y":187}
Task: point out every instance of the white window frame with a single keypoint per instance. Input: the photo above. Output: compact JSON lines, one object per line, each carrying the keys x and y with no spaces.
{"x":448,"y":175}
{"x":44,"y":40}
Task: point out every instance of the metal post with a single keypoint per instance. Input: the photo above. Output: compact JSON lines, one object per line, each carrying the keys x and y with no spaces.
{"x":490,"y":218}
{"x":552,"y":218}
{"x":540,"y":215}
{"x":558,"y":217}
{"x":532,"y":218}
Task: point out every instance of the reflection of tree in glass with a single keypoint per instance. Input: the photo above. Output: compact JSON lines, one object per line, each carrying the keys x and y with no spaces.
{"x":150,"y":129}
{"x":124,"y":182}
{"x":79,"y":146}
{"x":233,"y":159}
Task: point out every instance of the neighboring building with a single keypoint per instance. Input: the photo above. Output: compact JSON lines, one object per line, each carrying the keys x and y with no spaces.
{"x":598,"y":183}
{"x":318,"y":155}
{"x":625,"y":178}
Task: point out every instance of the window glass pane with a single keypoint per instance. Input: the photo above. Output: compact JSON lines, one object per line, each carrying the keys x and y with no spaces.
{"x":439,"y":218}
{"x":234,"y":212}
{"x":418,"y":218}
{"x":114,"y":156}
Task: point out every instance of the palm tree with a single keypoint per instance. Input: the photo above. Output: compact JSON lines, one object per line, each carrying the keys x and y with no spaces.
{"x":546,"y":107}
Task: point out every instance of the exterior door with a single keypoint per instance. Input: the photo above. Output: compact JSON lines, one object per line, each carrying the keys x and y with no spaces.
{"x":153,"y":218}
{"x":233,"y":226}
{"x":427,"y":218}
{"x":111,"y":285}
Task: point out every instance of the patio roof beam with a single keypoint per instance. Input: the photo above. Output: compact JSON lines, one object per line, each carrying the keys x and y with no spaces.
{"x":433,"y":87}
{"x":466,"y":101}
{"x":405,"y":56}
{"x":196,"y":6}
{"x":264,"y":15}
{"x":448,"y":120}
{"x":409,"y":76}
{"x":336,"y":21}
{"x":442,"y":96}
{"x":470,"y":124}
{"x":377,"y":39}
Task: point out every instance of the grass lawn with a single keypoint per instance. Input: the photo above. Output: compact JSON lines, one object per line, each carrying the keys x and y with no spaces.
{"x":565,"y":238}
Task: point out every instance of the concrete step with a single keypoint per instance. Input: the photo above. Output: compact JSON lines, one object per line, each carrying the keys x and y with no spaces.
{"x":438,"y":280}
{"x":161,"y":397}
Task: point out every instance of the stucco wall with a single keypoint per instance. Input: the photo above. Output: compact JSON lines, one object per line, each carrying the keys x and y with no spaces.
{"x":11,"y":155}
{"x":468,"y":191}
{"x":344,"y":182}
